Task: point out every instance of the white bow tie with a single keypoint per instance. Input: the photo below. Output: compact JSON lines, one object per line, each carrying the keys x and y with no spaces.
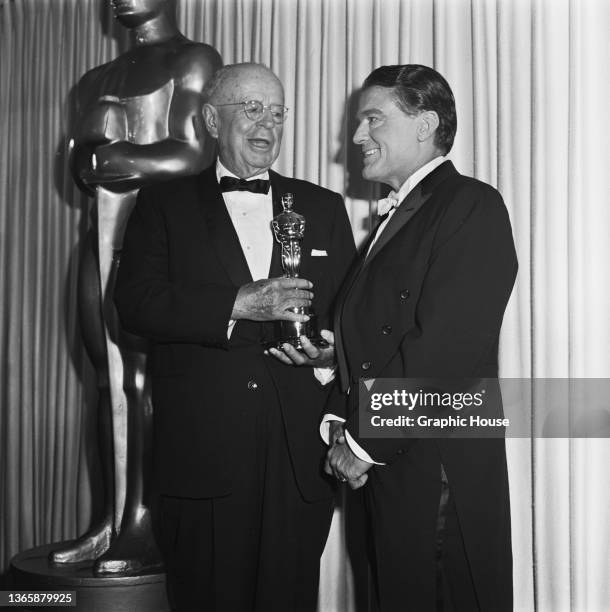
{"x":385,"y":205}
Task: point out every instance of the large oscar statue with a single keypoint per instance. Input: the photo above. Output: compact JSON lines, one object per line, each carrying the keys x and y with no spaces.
{"x":138,"y":121}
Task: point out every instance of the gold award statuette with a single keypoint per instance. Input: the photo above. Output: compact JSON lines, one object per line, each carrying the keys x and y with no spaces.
{"x":289,"y":228}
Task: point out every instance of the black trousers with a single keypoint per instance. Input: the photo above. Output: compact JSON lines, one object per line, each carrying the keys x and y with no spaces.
{"x":257,"y":549}
{"x":420,"y":562}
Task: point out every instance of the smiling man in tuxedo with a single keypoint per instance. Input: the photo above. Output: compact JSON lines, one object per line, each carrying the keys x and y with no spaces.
{"x":426,"y":300}
{"x":245,"y":506}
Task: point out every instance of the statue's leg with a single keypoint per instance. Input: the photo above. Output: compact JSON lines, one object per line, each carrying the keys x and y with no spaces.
{"x":134,"y":548}
{"x":97,"y":539}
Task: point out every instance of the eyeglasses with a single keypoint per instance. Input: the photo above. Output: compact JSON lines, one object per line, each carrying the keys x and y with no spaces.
{"x":255,"y":110}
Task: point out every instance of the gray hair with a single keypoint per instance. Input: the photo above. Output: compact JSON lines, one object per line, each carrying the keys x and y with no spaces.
{"x":220,"y":77}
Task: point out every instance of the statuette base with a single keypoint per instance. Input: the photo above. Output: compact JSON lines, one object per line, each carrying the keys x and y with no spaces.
{"x":291,"y":331}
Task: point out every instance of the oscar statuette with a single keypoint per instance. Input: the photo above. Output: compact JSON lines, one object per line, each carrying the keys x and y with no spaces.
{"x":289,"y":228}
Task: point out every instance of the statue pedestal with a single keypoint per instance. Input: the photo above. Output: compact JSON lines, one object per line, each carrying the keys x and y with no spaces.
{"x":144,"y":592}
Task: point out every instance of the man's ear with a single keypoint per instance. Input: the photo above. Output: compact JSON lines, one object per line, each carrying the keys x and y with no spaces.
{"x":211,"y":119}
{"x":428,"y":123}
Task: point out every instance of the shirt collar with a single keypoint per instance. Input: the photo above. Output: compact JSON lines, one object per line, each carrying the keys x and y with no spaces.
{"x":417,"y":177}
{"x":221,"y":171}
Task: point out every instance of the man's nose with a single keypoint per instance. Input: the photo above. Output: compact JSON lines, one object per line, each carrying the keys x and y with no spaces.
{"x":361,"y":133}
{"x":266,"y":118}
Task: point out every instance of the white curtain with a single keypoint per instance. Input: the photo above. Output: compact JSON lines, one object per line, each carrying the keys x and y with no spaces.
{"x":532,"y":84}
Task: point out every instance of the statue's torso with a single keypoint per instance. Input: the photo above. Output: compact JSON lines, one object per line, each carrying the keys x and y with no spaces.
{"x":130,"y":97}
{"x":138,"y":71}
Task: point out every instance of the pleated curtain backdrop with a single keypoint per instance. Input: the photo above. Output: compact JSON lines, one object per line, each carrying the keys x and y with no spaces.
{"x":532,"y":85}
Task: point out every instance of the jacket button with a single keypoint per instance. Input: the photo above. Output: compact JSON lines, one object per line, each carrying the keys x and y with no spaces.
{"x":400,"y":451}
{"x":404,"y":294}
{"x":366,"y":365}
{"x":252,"y":385}
{"x":386,"y":330}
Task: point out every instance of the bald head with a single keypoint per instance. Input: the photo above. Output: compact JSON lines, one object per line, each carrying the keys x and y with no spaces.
{"x":227,"y":80}
{"x":248,"y":142}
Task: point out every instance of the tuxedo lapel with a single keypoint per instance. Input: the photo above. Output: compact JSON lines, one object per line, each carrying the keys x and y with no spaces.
{"x":277,"y":191}
{"x":404,"y":213}
{"x":220,"y":229}
{"x":338,"y":312}
{"x":356,"y":267}
{"x":415,"y":199}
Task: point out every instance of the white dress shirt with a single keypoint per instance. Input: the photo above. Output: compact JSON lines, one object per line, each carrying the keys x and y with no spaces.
{"x":251,"y":214}
{"x":402,"y":193}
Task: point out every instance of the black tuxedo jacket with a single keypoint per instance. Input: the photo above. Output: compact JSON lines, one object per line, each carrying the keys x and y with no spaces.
{"x":428,"y":301}
{"x":180,"y":270}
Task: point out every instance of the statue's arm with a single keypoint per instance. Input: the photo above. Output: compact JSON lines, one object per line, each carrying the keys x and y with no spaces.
{"x":85,"y":134}
{"x":121,"y":165}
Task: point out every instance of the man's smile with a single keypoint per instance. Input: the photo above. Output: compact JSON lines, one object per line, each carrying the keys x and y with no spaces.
{"x":371,"y":155}
{"x":260,"y":143}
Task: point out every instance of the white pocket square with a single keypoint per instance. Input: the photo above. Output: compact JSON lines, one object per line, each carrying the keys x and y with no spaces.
{"x":316,"y":253}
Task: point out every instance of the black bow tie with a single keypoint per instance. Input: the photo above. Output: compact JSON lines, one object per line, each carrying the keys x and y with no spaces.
{"x":230,"y":183}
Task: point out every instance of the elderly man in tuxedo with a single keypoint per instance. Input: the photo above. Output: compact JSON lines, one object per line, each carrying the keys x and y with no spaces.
{"x":425,"y":299}
{"x":245,"y":505}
